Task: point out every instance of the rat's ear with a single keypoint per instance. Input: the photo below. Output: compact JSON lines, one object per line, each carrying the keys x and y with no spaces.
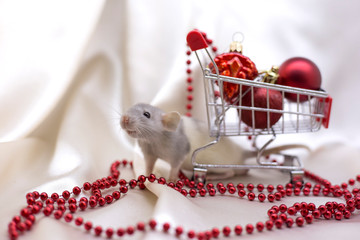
{"x":170,"y":121}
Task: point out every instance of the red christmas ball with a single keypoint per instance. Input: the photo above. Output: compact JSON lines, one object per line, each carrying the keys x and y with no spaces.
{"x":260,"y":101}
{"x":234,"y":64}
{"x":299,"y":72}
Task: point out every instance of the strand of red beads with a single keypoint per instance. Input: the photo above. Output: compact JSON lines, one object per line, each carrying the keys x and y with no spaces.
{"x":189,"y":79}
{"x":64,"y":206}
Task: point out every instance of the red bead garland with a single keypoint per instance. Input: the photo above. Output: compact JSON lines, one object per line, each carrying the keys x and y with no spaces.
{"x":189,"y":79}
{"x":64,"y":206}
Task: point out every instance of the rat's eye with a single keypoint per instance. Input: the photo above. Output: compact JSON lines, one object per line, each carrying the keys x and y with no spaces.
{"x":147,"y":114}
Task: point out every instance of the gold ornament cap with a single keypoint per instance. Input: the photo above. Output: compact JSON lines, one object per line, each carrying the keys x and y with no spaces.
{"x":236,"y":45}
{"x":271,"y":75}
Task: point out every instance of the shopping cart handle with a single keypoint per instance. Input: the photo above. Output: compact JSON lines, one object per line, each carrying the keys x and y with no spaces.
{"x":196,"y":40}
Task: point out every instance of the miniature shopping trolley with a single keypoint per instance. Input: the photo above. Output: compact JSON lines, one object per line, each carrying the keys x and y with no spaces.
{"x":224,"y":117}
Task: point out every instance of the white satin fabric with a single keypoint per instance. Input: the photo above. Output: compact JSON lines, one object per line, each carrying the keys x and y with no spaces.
{"x":68,"y":69}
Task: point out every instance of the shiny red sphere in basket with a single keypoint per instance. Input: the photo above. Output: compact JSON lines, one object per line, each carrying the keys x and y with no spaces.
{"x":234,"y":64}
{"x":299,"y":72}
{"x":261,"y":96}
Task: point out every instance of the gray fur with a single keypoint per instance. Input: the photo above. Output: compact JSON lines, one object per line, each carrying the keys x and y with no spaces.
{"x":154,"y":141}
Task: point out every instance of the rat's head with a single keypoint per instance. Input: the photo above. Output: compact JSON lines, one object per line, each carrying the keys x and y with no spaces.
{"x":144,"y":121}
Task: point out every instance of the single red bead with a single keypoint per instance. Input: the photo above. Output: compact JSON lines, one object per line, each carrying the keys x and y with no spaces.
{"x":250,"y":187}
{"x":351,"y":182}
{"x":299,"y":221}
{"x":116,"y":195}
{"x":192,"y":192}
{"x":72,"y":201}
{"x":25,"y":212}
{"x":201,"y":236}
{"x":54,"y":196}
{"x":123,"y":189}
{"x":178,"y":230}
{"x":188,"y":53}
{"x":212,"y":191}
{"x":271,"y":197}
{"x":16,"y":219}
{"x":60,"y":201}
{"x":309,"y":218}
{"x":232,"y":190}
{"x":260,"y":226}
{"x":226,"y":231}
{"x":152,"y":178}
{"x":215,"y":232}
{"x":289,"y":222}
{"x":283,"y":216}
{"x":152,"y":224}
{"x":79,"y":221}
{"x":240,"y":186}
{"x":76,"y":190}
{"x":202,"y":192}
{"x":47,"y":211}
{"x":140,"y":226}
{"x":289,"y":191}
{"x":238,"y":230}
{"x":166,"y":227}
{"x":269,"y":224}
{"x":191,"y":234}
{"x":278,"y":223}
{"x":88,"y":226}
{"x":68,"y":217}
{"x":241,"y":193}
{"x":249,"y":228}
{"x":109,"y":232}
{"x":291,"y":211}
{"x":260,"y":187}
{"x":98,"y":230}
{"x":130,"y":230}
{"x":66,"y":194}
{"x":72,"y":207}
{"x":58,"y":214}
{"x":43,"y":196}
{"x":278,"y":196}
{"x":261,"y":197}
{"x":120,"y":232}
{"x":92,"y":203}
{"x":251,"y":196}
{"x":109,"y":199}
{"x":87,"y":186}
{"x":347,"y":214}
{"x":101,"y":201}
{"x":270,"y":188}
{"x":338,"y":215}
{"x":327,"y":214}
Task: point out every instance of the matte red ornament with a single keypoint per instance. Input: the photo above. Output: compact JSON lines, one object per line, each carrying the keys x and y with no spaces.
{"x":234,"y":64}
{"x":299,"y":72}
{"x":260,"y":100}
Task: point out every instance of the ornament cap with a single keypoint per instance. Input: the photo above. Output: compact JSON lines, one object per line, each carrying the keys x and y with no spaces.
{"x":271,"y":75}
{"x":236,"y":46}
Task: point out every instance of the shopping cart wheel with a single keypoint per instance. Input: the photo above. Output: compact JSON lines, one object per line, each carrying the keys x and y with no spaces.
{"x":297,"y":176}
{"x":199,"y":174}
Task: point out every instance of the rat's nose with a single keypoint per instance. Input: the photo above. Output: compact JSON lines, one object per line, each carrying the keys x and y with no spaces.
{"x":125,"y":120}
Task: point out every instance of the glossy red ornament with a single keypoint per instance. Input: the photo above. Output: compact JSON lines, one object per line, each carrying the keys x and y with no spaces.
{"x":234,"y":64}
{"x":299,"y":72}
{"x":260,"y":101}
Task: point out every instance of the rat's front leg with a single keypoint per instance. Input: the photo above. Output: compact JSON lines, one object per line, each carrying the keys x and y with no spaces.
{"x":174,"y":171}
{"x":149,"y":164}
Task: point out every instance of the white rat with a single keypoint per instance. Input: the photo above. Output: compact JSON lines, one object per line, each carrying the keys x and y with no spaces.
{"x":173,"y":138}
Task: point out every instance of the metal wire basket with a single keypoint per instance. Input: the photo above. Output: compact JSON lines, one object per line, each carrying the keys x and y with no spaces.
{"x":225,"y":117}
